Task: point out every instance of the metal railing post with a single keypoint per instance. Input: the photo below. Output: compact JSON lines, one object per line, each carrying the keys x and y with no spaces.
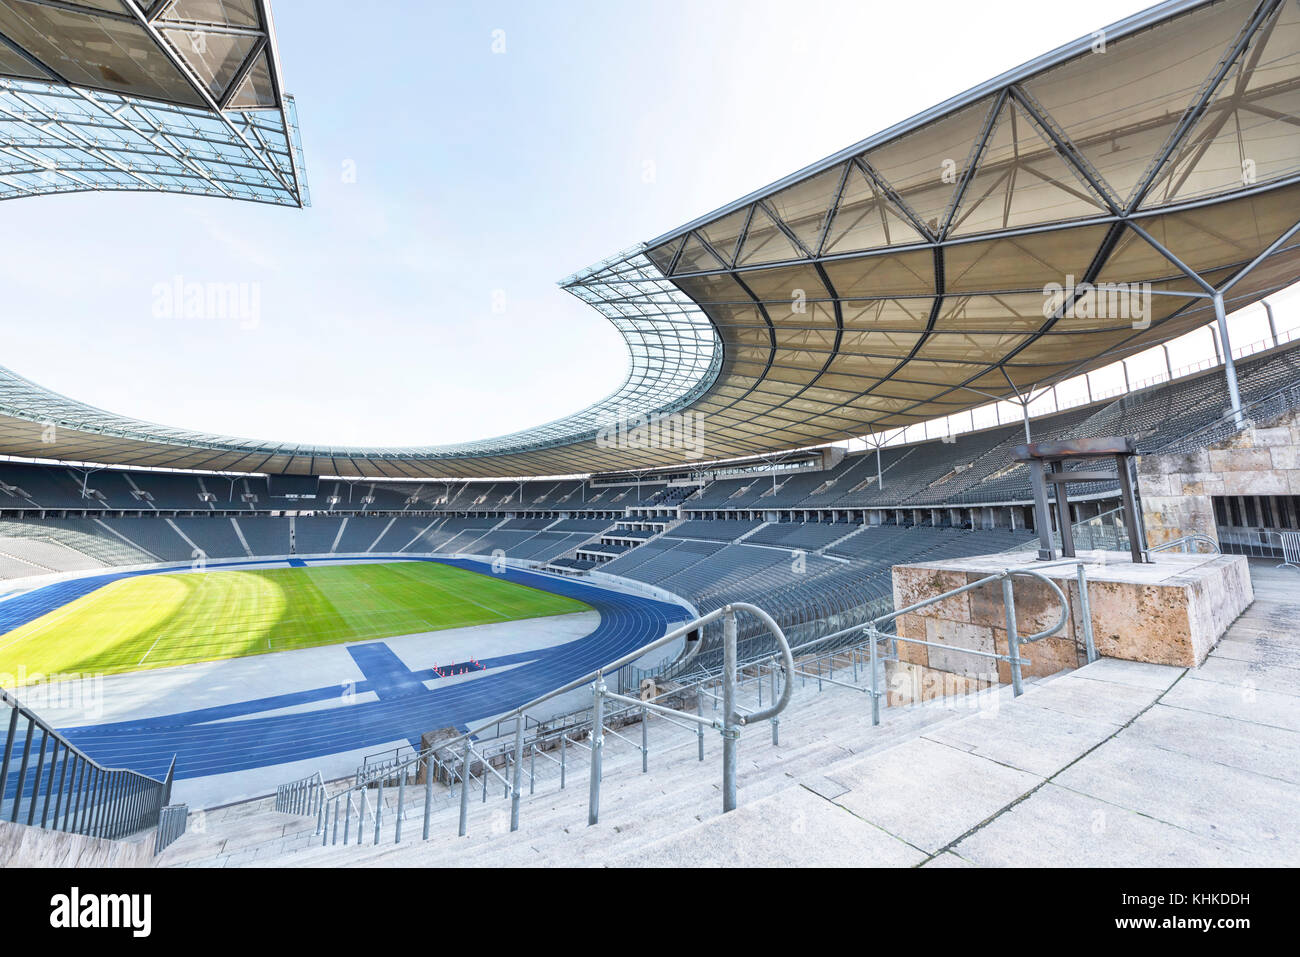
{"x":518,"y":768}
{"x":78,"y":786}
{"x":36,"y":779}
{"x":699,"y":728}
{"x":645,"y":741}
{"x":776,"y":719}
{"x":49,"y":783}
{"x":1085,"y":615}
{"x":730,"y":731}
{"x":464,"y":792}
{"x":1013,"y":640}
{"x":597,"y":743}
{"x":9,"y":753}
{"x":874,"y":664}
{"x":63,"y":777}
{"x":564,"y":742}
{"x":22,"y":773}
{"x":428,"y":795}
{"x":114,"y":795}
{"x":401,"y":808}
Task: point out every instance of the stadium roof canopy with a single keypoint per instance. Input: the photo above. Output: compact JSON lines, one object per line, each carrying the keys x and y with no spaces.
{"x":918,"y":273}
{"x":148,"y":95}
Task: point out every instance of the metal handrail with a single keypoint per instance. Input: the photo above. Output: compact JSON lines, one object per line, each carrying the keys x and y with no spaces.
{"x":1014,"y":640}
{"x":70,"y":791}
{"x":172,"y":821}
{"x":1184,"y":541}
{"x":729,"y":723}
{"x":733,"y":719}
{"x":301,"y":797}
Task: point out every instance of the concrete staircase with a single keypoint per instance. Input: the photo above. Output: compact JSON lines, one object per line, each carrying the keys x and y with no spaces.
{"x":819,"y":732}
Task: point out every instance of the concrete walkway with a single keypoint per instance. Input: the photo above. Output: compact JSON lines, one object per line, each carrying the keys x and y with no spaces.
{"x":1116,"y":764}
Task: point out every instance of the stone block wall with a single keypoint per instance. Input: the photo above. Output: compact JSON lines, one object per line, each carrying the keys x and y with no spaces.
{"x":1176,"y":490}
{"x":1171,"y":612}
{"x":977,"y":620}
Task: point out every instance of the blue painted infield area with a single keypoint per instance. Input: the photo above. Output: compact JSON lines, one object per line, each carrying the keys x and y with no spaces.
{"x":246,"y":736}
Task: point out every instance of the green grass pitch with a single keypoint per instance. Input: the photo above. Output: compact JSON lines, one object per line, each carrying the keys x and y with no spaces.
{"x":153,"y":621}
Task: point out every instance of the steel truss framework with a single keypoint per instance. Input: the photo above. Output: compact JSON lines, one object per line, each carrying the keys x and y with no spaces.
{"x":172,"y":96}
{"x":906,"y":277}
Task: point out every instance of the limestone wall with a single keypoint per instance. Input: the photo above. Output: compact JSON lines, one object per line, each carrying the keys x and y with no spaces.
{"x":1171,"y":612}
{"x":1176,"y":490}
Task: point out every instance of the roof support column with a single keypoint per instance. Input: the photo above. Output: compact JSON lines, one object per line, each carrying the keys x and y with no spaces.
{"x":1229,"y":365}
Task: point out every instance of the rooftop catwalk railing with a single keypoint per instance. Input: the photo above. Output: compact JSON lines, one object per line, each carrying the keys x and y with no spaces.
{"x":46,"y":781}
{"x":470,"y":767}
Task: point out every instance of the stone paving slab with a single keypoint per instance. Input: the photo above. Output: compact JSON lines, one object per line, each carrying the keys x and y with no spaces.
{"x":1057,"y":827}
{"x":927,"y":793}
{"x":793,"y":828}
{"x":1139,"y":674}
{"x":1099,"y":700}
{"x":1255,"y":674}
{"x":824,"y":786}
{"x":1037,"y":740}
{"x":1276,"y":654}
{"x":1242,"y":703}
{"x":1273,"y":752}
{"x":1223,"y":804}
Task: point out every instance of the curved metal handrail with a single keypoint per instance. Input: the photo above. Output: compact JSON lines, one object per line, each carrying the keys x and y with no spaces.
{"x":733,"y":718}
{"x":732,"y":721}
{"x":787,"y":660}
{"x":1185,"y":540}
{"x":1060,"y":596}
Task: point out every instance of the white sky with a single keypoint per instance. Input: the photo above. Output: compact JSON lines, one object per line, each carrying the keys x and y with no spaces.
{"x":476,"y":173}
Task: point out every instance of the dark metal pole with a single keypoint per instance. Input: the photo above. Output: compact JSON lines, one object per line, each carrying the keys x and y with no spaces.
{"x":1135,"y":543}
{"x":1042,"y":517}
{"x":1062,"y":499}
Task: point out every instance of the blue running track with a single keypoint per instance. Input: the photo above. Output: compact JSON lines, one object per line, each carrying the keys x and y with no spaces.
{"x":405,"y":708}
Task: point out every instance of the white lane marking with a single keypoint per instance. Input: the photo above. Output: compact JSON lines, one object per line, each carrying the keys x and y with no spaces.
{"x":150,"y":651}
